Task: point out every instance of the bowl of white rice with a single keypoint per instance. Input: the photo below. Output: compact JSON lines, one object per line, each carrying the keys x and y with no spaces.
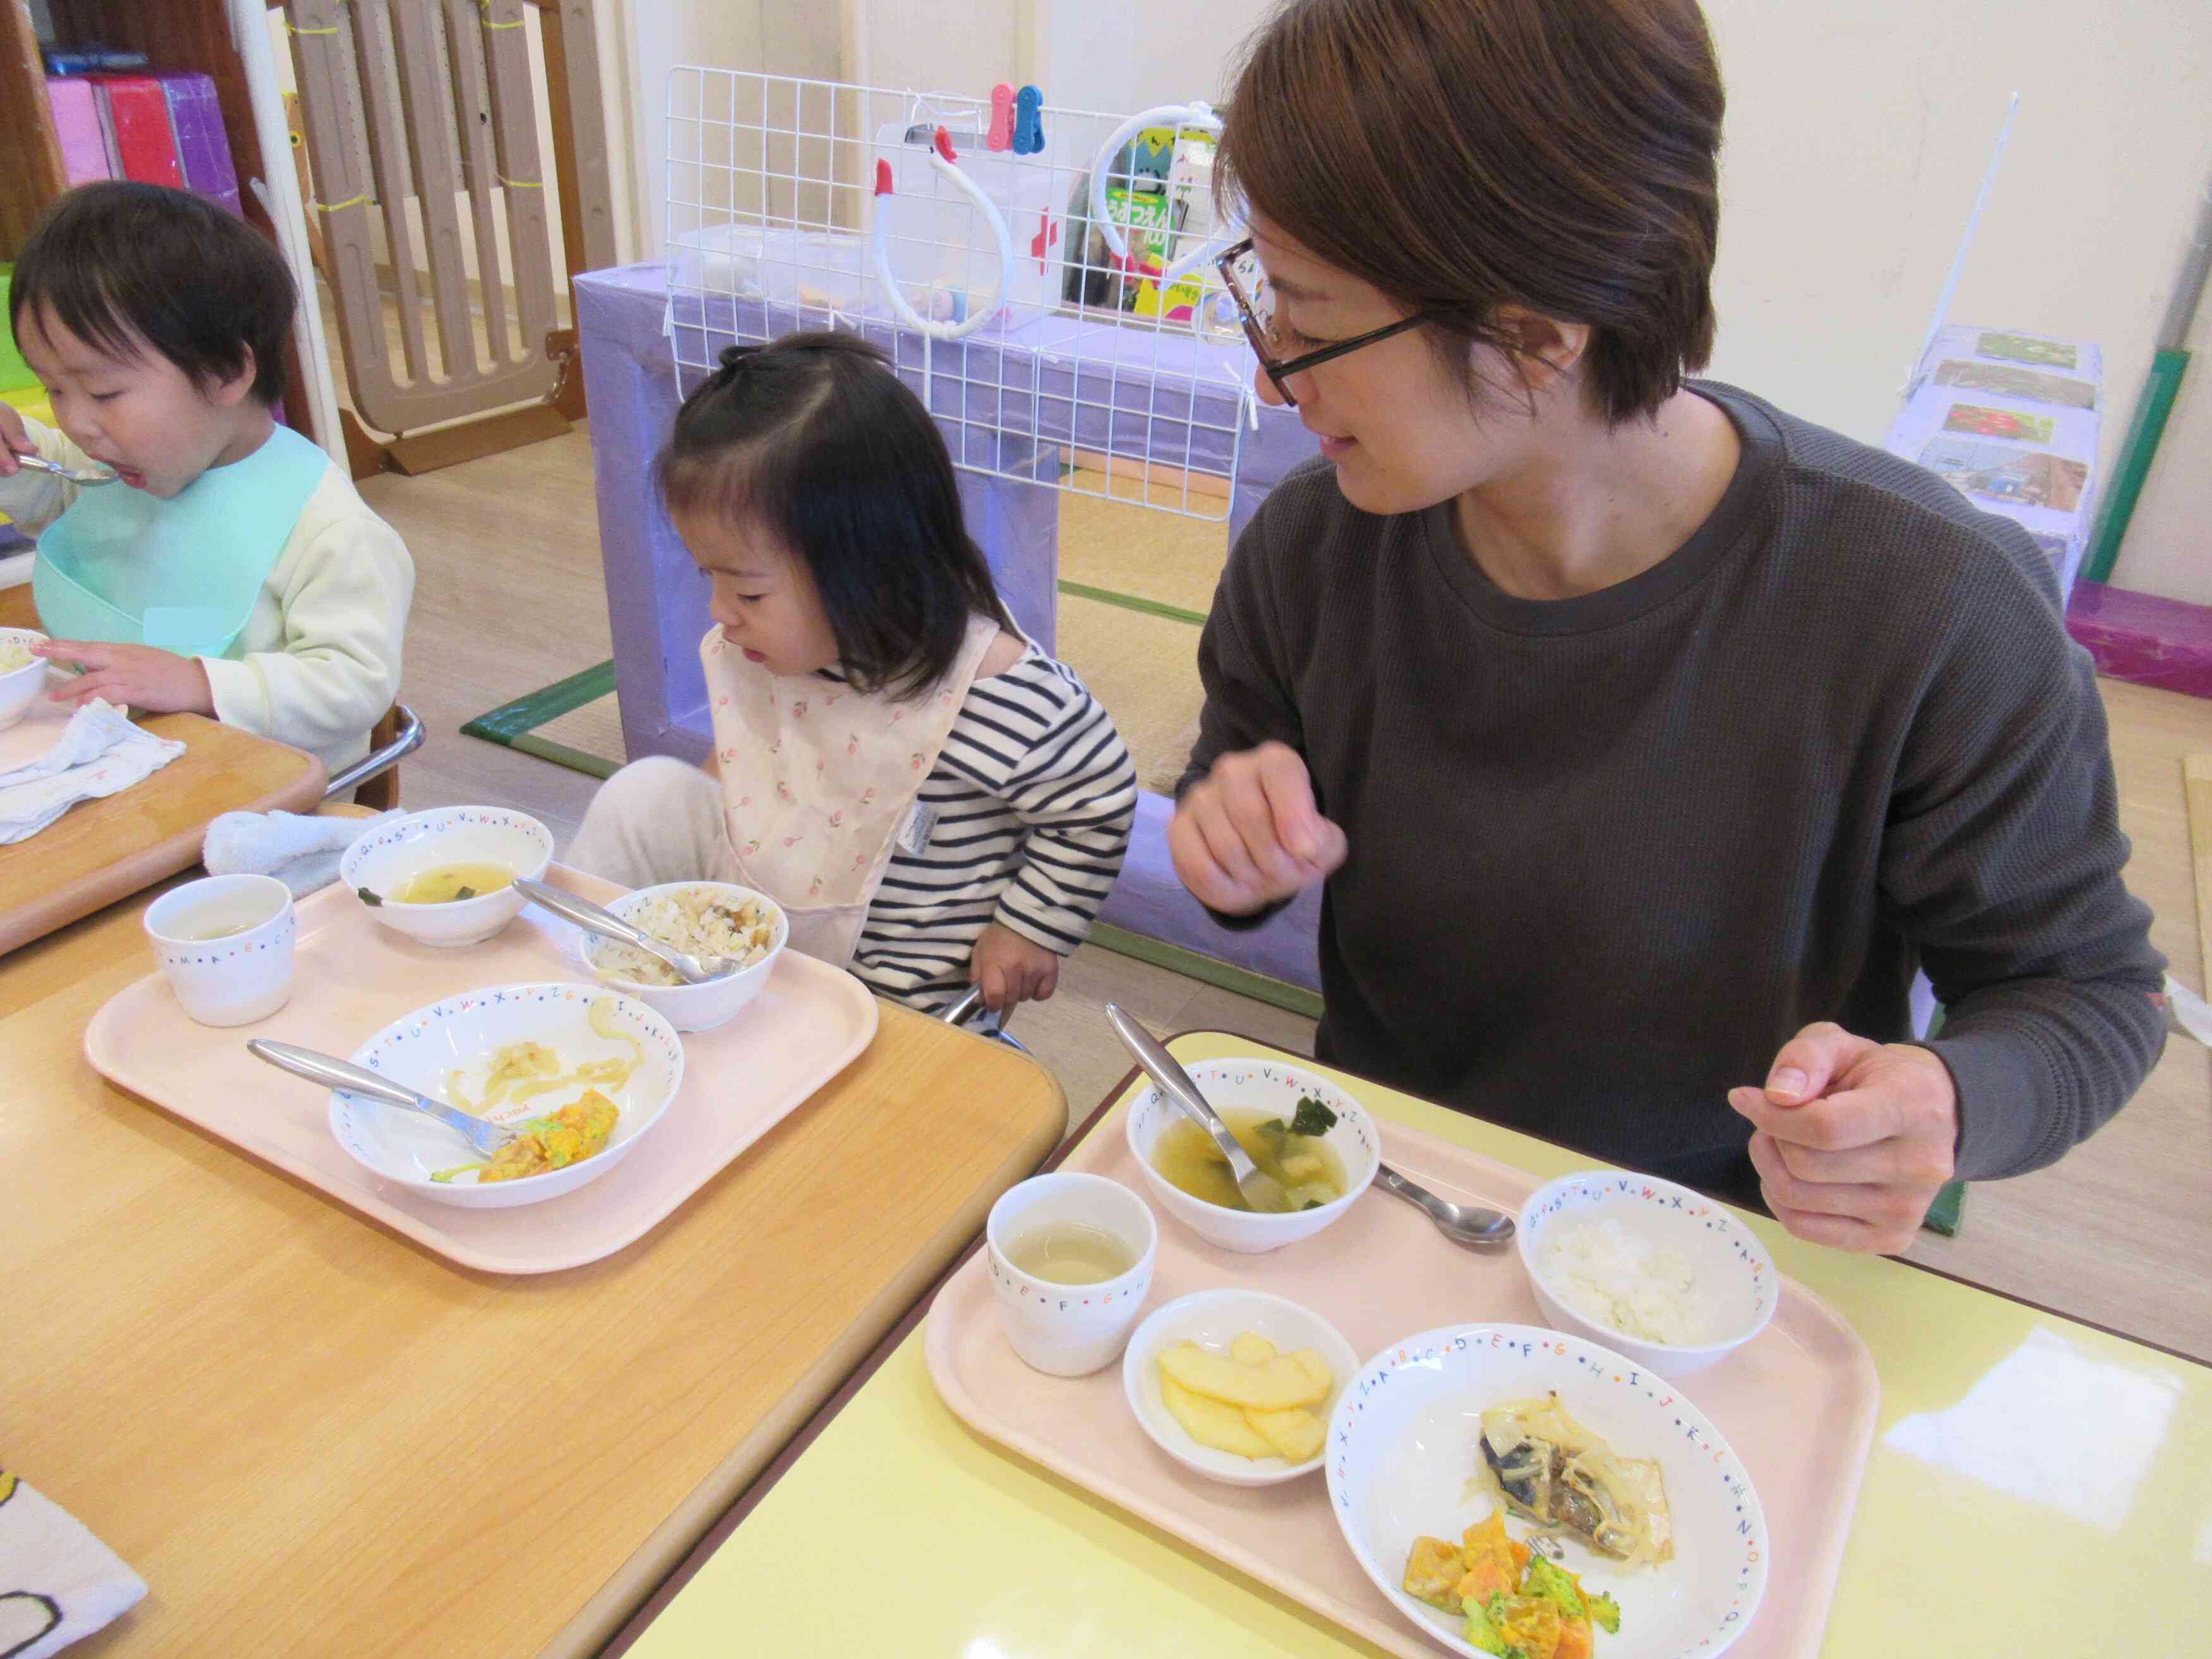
{"x":707,"y":919}
{"x":1663,"y":1275}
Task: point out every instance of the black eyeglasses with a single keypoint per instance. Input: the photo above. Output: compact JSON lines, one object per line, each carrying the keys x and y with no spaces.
{"x":1247,"y":282}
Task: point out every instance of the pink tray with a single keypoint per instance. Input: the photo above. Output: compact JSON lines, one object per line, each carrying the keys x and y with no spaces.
{"x":1797,"y":1403}
{"x":354,"y":978}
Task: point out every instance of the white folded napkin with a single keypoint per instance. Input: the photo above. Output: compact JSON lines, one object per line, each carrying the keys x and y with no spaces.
{"x":99,"y":752}
{"x":62,"y":1583}
{"x":301,"y":851}
{"x":2187,"y":1012}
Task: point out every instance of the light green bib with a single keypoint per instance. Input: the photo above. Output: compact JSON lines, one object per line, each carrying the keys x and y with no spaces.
{"x":182,"y":575}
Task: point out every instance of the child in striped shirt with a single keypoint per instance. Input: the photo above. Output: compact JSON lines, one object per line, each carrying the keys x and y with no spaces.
{"x":934,"y":802}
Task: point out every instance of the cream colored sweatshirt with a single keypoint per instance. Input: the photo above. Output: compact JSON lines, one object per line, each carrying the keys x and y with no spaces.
{"x":317,"y":662}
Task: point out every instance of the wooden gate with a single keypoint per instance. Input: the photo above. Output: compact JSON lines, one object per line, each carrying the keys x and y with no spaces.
{"x":432,"y":105}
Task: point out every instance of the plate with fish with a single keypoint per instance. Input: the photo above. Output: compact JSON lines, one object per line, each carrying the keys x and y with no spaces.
{"x":1519,"y":1490}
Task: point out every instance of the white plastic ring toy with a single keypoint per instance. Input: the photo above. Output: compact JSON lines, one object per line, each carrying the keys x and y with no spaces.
{"x":942,"y":158}
{"x":1173,"y":116}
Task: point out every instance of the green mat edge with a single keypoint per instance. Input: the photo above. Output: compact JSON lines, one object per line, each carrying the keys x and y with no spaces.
{"x":576,"y":760}
{"x":512,"y":724}
{"x":510,"y":721}
{"x":1193,"y":964}
{"x":1134,"y":602}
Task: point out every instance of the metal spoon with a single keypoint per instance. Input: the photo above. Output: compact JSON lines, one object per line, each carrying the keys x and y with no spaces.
{"x":693,"y":970}
{"x":68,"y":475}
{"x":1470,"y":1224}
{"x":482,"y":1133}
{"x":1262,"y":1192}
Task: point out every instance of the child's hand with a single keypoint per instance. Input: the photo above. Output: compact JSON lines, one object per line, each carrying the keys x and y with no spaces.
{"x":15,"y":440}
{"x":1012,"y":970}
{"x":131,"y":676}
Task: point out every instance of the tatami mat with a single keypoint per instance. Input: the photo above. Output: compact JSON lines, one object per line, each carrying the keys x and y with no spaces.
{"x":595,"y":730}
{"x":1144,"y":670}
{"x":1146,"y":553}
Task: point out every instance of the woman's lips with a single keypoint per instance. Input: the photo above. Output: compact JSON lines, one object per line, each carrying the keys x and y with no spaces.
{"x":1336,"y":448}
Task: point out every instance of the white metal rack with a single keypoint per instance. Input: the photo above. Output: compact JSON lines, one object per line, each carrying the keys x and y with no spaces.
{"x":790,"y":202}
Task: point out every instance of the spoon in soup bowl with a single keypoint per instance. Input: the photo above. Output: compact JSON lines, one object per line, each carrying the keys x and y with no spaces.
{"x":1472,"y":1225}
{"x":1261,"y":1191}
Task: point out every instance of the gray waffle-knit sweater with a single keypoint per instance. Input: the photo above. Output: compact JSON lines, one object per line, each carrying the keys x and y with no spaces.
{"x":1608,"y":853}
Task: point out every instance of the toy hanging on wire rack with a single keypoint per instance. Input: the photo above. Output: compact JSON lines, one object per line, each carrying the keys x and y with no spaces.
{"x":949,"y":315}
{"x":1156,"y":199}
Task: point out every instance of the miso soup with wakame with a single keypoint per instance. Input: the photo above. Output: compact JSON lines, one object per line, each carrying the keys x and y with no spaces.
{"x":1292,"y":1153}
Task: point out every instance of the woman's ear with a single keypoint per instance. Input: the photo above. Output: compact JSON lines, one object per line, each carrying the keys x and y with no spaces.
{"x":1546,"y":350}
{"x":232,"y":389}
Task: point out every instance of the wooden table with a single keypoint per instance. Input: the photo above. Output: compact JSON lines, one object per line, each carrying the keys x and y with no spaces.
{"x":2019,"y":1455}
{"x":105,"y":850}
{"x":310,"y":1437}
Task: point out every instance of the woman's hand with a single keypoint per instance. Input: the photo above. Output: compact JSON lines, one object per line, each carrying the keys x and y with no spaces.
{"x":131,"y":676}
{"x":1248,"y":833}
{"x":1012,"y":969}
{"x":1852,"y":1138}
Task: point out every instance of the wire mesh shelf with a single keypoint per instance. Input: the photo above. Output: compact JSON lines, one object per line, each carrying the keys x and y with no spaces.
{"x":984,"y":267}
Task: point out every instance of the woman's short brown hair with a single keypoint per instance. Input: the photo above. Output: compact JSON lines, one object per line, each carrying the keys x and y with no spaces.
{"x":1462,"y":155}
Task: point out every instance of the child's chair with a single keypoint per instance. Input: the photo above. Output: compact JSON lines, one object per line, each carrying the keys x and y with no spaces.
{"x":375,"y":778}
{"x":967,"y":1008}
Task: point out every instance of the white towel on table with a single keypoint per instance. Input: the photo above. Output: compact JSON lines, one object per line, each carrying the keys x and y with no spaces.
{"x":62,"y":1583}
{"x":99,"y":752}
{"x":300,"y":851}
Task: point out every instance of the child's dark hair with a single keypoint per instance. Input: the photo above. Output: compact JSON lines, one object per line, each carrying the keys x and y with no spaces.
{"x":127,"y":266}
{"x":814,"y":438}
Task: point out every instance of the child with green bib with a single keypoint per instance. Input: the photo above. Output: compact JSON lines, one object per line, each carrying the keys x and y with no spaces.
{"x":230,"y":570}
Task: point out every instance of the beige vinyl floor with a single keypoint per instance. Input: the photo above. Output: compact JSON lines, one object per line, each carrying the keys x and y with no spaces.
{"x":510,"y":599}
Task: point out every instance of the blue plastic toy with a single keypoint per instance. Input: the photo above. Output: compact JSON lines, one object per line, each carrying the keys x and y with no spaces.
{"x":1029,"y":122}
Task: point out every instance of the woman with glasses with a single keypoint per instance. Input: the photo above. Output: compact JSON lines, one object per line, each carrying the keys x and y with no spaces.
{"x":1648,"y":738}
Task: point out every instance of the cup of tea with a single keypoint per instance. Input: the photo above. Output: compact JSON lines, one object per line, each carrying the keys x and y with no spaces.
{"x":225,"y":945}
{"x":1071,"y":1259}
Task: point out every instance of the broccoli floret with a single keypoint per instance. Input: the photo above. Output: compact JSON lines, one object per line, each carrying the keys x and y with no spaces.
{"x":367,"y":898}
{"x":1553,"y":1583}
{"x":1481,"y":1634}
{"x":1312,"y":1119}
{"x":1605,"y":1613}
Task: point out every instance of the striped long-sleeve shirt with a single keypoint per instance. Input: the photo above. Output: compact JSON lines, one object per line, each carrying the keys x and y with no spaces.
{"x":1027,"y":817}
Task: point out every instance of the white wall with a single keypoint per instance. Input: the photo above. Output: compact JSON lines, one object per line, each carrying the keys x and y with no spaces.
{"x":1856,"y":141}
{"x":777,"y":37}
{"x":967,"y":46}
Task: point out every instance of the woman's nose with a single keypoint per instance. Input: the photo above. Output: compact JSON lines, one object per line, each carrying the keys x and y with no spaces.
{"x":1270,"y":394}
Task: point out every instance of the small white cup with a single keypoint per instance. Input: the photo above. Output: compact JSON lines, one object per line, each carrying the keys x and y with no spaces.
{"x":239,"y":976}
{"x":1070,"y":1330}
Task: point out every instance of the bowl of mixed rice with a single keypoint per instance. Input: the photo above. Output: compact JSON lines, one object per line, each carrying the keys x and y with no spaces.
{"x":707,"y":919}
{"x":22,"y":676}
